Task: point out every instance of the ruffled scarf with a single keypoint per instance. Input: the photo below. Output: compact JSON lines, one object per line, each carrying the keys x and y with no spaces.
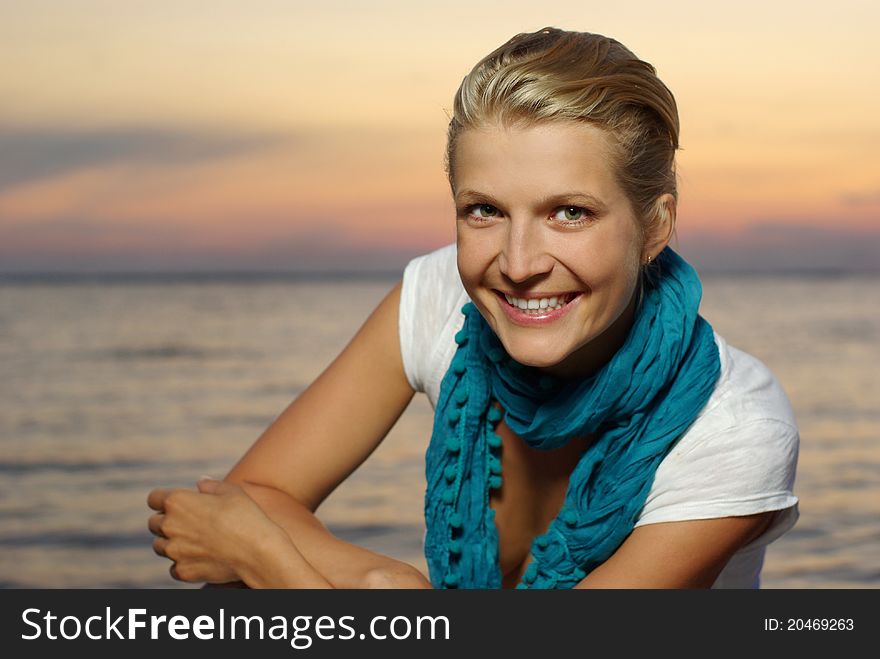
{"x":639,"y":404}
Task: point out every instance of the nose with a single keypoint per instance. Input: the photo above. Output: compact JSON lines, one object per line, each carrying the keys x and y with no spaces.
{"x":523,"y":254}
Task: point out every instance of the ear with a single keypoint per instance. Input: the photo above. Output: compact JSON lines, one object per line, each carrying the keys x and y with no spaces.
{"x":661,"y":226}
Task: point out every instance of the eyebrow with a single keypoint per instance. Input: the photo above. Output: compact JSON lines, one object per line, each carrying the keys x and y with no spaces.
{"x":474,"y":195}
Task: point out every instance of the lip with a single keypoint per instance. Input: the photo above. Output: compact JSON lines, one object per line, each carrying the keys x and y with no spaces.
{"x":517,"y":317}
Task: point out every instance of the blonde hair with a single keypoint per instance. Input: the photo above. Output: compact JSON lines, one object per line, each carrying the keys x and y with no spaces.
{"x":554,"y":74}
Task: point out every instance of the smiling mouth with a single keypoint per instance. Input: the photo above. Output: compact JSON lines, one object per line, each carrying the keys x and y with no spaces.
{"x":538,"y":306}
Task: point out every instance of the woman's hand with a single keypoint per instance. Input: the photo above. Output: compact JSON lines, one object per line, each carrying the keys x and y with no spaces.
{"x":394,"y":575}
{"x":213,"y":535}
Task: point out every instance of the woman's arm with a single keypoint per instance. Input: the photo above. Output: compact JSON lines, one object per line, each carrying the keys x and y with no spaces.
{"x":219,"y":534}
{"x":318,"y":441}
{"x":687,"y":554}
{"x":339,"y":420}
{"x":345,"y":565}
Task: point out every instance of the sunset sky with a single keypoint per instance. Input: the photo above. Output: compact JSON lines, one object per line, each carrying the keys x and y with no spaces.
{"x":286,"y":135}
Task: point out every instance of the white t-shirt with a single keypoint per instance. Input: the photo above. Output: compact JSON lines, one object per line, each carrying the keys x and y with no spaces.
{"x":737,"y":458}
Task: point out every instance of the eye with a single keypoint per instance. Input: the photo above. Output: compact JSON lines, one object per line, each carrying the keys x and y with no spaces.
{"x":481,"y":213}
{"x":572,"y":215}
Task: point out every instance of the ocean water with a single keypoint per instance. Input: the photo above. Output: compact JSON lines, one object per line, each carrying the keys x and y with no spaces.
{"x":111,"y":388}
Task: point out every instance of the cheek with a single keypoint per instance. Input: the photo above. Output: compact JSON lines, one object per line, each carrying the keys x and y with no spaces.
{"x":607,"y":267}
{"x":474,"y":256}
{"x":467,"y":272}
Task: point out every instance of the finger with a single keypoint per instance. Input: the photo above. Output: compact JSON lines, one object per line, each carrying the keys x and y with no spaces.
{"x":156,"y":498}
{"x":160,"y":546}
{"x":155,"y":524}
{"x":179,"y":549}
{"x":196,"y":571}
{"x":211,"y":486}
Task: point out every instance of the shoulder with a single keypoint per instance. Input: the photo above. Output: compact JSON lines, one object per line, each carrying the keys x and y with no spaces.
{"x":440,"y":265}
{"x":748,"y":411}
{"x":738,"y":457}
{"x":432,"y":288}
{"x":431,"y":298}
{"x":746,"y":392}
{"x":431,"y":283}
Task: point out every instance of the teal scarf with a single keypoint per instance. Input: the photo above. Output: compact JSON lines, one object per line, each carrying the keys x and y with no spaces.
{"x":639,"y":403}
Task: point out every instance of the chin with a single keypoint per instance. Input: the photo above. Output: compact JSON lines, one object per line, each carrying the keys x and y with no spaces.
{"x":536,"y":363}
{"x":535,"y":356}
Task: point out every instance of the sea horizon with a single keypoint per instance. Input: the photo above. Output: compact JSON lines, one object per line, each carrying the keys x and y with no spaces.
{"x":219,"y":275}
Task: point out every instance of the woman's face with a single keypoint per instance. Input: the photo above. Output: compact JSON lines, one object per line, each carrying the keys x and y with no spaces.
{"x":540,"y":215}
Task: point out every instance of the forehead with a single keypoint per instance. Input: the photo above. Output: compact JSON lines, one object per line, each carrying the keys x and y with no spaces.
{"x":537,"y":159}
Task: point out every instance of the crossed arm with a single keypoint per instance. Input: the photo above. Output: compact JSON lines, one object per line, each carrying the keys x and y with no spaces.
{"x":258,"y":525}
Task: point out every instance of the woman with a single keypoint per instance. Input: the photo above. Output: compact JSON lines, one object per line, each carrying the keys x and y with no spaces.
{"x":591,"y":429}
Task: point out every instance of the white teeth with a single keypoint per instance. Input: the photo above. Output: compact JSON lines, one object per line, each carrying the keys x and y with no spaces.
{"x":537,"y":304}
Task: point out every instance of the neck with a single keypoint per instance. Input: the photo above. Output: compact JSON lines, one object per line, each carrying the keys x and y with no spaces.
{"x":590,"y":358}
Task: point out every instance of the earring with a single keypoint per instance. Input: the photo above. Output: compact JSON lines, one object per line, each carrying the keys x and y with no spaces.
{"x":648,"y":262}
